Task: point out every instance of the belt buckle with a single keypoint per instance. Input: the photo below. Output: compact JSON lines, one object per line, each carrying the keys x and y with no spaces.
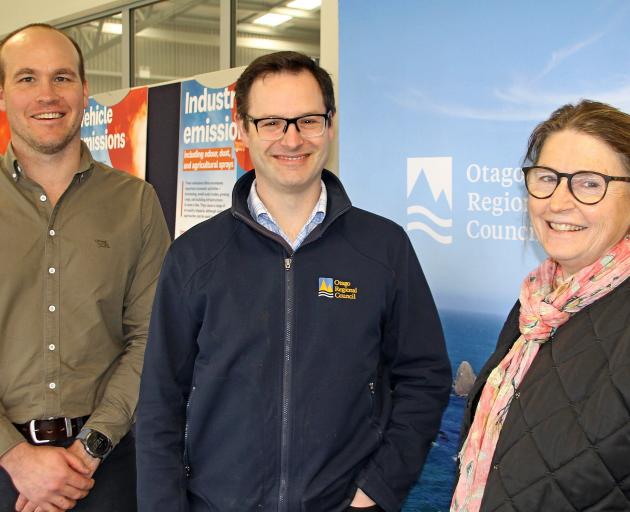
{"x":68,"y":423}
{"x":33,"y":431}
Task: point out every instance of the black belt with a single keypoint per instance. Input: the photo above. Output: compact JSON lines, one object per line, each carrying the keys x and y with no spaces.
{"x":51,"y":430}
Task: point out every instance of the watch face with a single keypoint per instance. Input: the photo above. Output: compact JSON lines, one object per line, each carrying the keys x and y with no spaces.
{"x":97,"y":444}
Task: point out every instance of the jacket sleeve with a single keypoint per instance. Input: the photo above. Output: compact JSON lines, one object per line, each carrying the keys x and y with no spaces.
{"x":115,"y":411}
{"x":420,"y":375}
{"x":164,"y":389}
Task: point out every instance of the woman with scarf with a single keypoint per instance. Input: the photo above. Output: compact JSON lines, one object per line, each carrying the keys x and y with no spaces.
{"x":547,"y":424}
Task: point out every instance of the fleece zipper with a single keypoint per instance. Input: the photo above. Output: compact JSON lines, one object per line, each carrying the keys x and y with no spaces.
{"x":286,"y":385}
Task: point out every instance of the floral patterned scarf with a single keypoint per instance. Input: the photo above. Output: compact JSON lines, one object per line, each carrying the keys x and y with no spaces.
{"x":547,"y":302}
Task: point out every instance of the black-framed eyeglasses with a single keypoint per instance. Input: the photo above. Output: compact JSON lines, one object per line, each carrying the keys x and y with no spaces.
{"x":274,"y":128}
{"x":588,"y":187}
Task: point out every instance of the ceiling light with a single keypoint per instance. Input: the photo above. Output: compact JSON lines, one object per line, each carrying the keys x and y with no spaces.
{"x":307,"y":5}
{"x":112,"y":28}
{"x":272,"y":19}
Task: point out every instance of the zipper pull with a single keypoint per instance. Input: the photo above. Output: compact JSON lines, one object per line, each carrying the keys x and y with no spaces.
{"x":371,"y":386}
{"x":287,"y":263}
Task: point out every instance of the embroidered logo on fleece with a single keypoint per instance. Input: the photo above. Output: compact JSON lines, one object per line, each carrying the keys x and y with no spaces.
{"x":331,"y":288}
{"x":102,"y":244}
{"x":326,"y":287}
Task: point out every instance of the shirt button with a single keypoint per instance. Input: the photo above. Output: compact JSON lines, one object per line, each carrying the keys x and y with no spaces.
{"x":51,"y":308}
{"x":52,"y":385}
{"x":51,"y":232}
{"x":51,"y":346}
{"x":43,"y":198}
{"x":51,"y":270}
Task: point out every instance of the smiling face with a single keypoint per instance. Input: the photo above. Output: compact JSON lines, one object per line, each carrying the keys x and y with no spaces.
{"x":574,"y":234}
{"x":292,"y":164}
{"x":42,"y":93}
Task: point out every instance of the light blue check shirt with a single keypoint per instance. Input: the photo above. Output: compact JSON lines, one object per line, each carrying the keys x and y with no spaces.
{"x":261,"y":215}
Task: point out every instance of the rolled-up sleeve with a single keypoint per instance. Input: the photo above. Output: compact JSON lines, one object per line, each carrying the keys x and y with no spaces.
{"x":114,"y":413}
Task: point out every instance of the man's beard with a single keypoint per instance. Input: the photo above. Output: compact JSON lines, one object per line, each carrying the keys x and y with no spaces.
{"x":50,"y":147}
{"x":54,"y":147}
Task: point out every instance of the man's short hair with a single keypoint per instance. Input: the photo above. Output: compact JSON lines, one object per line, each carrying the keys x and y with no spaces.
{"x":282,"y":62}
{"x":49,"y":27}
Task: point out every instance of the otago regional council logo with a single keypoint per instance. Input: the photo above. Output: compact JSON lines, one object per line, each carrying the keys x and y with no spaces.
{"x":434,"y":175}
{"x":336,"y":289}
{"x":326,"y":287}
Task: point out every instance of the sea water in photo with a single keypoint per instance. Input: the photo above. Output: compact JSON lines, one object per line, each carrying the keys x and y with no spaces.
{"x":469,"y":337}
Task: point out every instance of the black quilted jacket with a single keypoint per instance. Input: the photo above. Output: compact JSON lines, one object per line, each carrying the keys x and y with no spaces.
{"x":565,"y":444}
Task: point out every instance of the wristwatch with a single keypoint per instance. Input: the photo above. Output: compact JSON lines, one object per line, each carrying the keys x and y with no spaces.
{"x":96,"y":444}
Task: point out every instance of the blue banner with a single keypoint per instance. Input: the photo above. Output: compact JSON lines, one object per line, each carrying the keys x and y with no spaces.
{"x":437,"y":101}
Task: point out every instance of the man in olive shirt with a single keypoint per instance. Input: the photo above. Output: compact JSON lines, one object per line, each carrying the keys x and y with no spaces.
{"x":81,"y":252}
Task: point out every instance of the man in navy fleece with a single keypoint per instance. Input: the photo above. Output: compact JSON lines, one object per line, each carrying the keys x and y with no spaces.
{"x":295,"y":361}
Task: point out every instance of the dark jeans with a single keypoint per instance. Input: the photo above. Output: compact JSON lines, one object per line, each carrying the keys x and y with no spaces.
{"x":114,"y":489}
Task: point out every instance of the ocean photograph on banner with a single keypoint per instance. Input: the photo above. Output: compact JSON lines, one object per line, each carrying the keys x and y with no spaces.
{"x":436,"y":104}
{"x":211,"y":155}
{"x":114,"y":127}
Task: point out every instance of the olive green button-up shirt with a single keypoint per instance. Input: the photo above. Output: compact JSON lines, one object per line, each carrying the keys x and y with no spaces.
{"x":76,"y":288}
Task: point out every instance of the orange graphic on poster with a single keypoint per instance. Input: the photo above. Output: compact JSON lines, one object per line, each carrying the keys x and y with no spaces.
{"x":130,"y":117}
{"x":116,"y":133}
{"x":242,"y":153}
{"x":5,"y":133}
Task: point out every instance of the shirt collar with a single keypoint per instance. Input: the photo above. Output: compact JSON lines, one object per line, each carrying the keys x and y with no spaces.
{"x":258,"y":210}
{"x":12,"y":166}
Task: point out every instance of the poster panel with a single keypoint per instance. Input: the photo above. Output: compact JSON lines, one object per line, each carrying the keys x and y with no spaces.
{"x":114,"y":127}
{"x":211,"y":155}
{"x":435,"y":114}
